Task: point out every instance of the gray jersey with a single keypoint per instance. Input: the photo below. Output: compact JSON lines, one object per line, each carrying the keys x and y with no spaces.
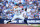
{"x":18,"y":11}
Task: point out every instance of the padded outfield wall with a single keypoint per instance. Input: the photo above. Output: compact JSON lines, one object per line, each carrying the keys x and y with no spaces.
{"x":19,"y":21}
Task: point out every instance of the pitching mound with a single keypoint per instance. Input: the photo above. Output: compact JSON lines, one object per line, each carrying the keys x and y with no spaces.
{"x":14,"y":25}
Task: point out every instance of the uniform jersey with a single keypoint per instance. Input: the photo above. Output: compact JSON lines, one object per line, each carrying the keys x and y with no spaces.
{"x":17,"y":11}
{"x":28,"y":10}
{"x":23,"y":13}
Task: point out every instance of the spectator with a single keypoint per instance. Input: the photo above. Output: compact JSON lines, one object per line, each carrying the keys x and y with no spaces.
{"x":8,"y":6}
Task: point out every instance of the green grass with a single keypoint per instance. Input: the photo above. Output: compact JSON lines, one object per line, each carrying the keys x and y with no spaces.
{"x":31,"y":25}
{"x":37,"y":26}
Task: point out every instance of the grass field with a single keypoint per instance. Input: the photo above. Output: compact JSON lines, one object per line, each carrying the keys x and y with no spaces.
{"x":34,"y":25}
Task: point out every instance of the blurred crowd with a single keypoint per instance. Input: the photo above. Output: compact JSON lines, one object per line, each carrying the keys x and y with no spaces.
{"x":8,"y":7}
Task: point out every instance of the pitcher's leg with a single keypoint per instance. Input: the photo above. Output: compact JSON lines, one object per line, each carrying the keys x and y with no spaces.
{"x":20,"y":17}
{"x":14,"y":17}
